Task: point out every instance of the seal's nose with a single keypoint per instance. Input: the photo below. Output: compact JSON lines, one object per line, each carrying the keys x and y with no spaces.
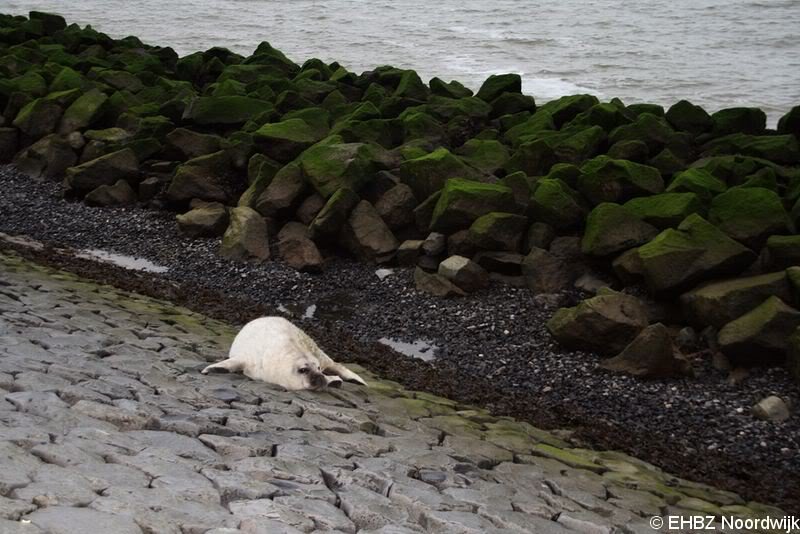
{"x":317,"y":380}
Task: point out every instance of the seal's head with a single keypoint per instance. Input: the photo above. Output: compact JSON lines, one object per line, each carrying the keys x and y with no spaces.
{"x":307,"y":374}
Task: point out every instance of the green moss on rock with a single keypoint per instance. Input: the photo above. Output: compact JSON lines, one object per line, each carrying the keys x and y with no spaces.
{"x":611,"y":229}
{"x":749,"y":214}
{"x":609,"y":180}
{"x":463,"y":201}
{"x":665,"y":210}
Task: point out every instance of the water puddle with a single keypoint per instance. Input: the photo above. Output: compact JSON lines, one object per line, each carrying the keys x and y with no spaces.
{"x":333,"y":307}
{"x":128,"y":262}
{"x":420,"y":348}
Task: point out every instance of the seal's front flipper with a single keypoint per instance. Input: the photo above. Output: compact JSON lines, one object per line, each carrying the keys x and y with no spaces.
{"x":345,"y":373}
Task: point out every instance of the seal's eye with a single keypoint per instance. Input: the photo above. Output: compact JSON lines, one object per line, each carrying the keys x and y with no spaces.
{"x":303,"y":370}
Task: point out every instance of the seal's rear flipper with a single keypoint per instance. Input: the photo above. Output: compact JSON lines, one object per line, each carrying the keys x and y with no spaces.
{"x":229,"y":365}
{"x":344,"y":373}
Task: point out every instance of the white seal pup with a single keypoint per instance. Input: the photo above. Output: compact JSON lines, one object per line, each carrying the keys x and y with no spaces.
{"x":274,"y":350}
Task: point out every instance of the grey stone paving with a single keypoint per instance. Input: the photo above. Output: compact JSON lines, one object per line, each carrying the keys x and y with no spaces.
{"x":107,"y":426}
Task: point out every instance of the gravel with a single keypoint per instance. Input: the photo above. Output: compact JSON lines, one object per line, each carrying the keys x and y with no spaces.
{"x":497,"y":334}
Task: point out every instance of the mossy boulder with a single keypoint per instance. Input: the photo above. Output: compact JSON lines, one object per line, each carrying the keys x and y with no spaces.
{"x":783,"y":250}
{"x":538,"y":122}
{"x":696,"y":251}
{"x":534,"y":158}
{"x":605,"y":115}
{"x":577,"y":146}
{"x":651,"y":354}
{"x":284,"y":141}
{"x":225,"y":110}
{"x":246,"y":236}
{"x":557,"y":204}
{"x":427,"y":174}
{"x":761,"y":336}
{"x":446,"y":109}
{"x":720,"y":302}
{"x":497,"y":231}
{"x":487,"y":156}
{"x":612,"y":180}
{"x":116,"y":195}
{"x":687,"y":117}
{"x":333,"y":214}
{"x":654,"y":131}
{"x":451,"y":89}
{"x":738,"y":120}
{"x":512,"y":104}
{"x":665,"y":210}
{"x":105,"y":170}
{"x":750,"y":214}
{"x":566,"y":108}
{"x":497,"y":84}
{"x":207,"y":220}
{"x":329,"y":166}
{"x":604,"y":324}
{"x":611,"y":229}
{"x":49,"y":157}
{"x":189,"y":144}
{"x":632,"y":150}
{"x":38,"y":118}
{"x":733,"y":170}
{"x":205,"y":177}
{"x":366,"y":236}
{"x":283,"y":193}
{"x":411,"y":86}
{"x":780,"y":149}
{"x":698,"y":181}
{"x":463,"y":201}
{"x":790,"y":123}
{"x":83,"y":112}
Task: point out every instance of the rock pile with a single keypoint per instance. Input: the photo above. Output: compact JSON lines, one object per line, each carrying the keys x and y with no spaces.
{"x":699,"y":209}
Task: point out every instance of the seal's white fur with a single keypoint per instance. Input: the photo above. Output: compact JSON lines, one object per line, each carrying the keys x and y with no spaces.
{"x":274,"y":350}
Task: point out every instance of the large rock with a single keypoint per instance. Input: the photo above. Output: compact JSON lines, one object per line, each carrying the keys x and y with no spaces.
{"x":83,"y":112}
{"x":283,"y":193}
{"x":334,"y":213}
{"x":329,"y":166}
{"x":697,"y":250}
{"x":296,"y":248}
{"x":684,"y":115}
{"x":464,"y":273}
{"x":284,"y":141}
{"x":38,"y":118}
{"x":497,"y":84}
{"x":105,"y":170}
{"x":463,"y":201}
{"x":718,"y":303}
{"x":698,"y":181}
{"x":780,"y":149}
{"x":225,"y":110}
{"x":611,"y":229}
{"x":396,"y":206}
{"x":566,"y":108}
{"x":118,"y":194}
{"x":650,"y":355}
{"x":772,"y":408}
{"x":436,"y":284}
{"x":790,"y":123}
{"x":749,"y":214}
{"x":761,"y":336}
{"x":544,"y":272}
{"x":666,"y":210}
{"x":783,"y":251}
{"x":605,"y":323}
{"x":208,"y":220}
{"x":497,"y":231}
{"x":614,"y":180}
{"x":428,"y":174}
{"x":738,"y":120}
{"x":246,"y":236}
{"x":49,"y":157}
{"x":486,"y":155}
{"x":189,"y":144}
{"x":205,"y":177}
{"x":557,"y":204}
{"x":367,"y":236}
